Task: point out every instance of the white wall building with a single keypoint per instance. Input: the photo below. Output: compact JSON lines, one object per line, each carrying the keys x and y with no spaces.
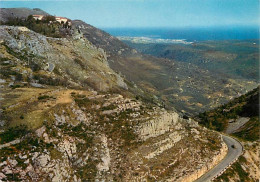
{"x":37,"y":17}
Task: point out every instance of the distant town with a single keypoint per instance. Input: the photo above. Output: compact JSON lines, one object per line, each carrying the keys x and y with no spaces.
{"x":148,"y":40}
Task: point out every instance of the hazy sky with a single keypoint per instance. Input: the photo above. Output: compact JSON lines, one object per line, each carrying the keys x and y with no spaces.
{"x":151,"y":13}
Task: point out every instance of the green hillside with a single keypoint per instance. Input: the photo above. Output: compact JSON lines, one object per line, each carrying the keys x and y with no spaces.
{"x":244,"y":106}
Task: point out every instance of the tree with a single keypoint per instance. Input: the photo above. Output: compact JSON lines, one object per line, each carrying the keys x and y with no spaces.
{"x":66,"y":24}
{"x":48,"y":18}
{"x":30,"y":18}
{"x":30,"y":21}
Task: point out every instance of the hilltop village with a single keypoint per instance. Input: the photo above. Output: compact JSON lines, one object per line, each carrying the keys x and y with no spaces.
{"x":59,"y":19}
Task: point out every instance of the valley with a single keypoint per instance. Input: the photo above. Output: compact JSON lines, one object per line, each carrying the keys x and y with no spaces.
{"x":234,"y":58}
{"x":203,"y":75}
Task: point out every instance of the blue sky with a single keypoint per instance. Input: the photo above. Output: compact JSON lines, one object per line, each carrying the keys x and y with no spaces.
{"x":151,"y":13}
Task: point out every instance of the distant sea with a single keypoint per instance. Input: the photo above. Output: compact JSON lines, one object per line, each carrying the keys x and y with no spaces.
{"x":189,"y":34}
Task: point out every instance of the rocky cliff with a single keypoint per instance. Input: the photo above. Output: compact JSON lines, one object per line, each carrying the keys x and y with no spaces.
{"x":75,"y":60}
{"x":77,"y":135}
{"x":215,"y":160}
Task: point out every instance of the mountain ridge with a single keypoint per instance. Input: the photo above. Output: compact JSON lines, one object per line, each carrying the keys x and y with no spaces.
{"x":10,"y":13}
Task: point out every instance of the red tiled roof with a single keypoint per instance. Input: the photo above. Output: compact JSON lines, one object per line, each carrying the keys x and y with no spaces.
{"x":61,"y":18}
{"x":58,"y":17}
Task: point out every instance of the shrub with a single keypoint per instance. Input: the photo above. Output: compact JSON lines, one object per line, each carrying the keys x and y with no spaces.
{"x":13,"y":133}
{"x":19,"y":77}
{"x":15,"y":86}
{"x":7,"y":72}
{"x":40,"y":26}
{"x":42,"y":97}
{"x":110,"y":107}
{"x":48,"y":18}
{"x":79,"y":62}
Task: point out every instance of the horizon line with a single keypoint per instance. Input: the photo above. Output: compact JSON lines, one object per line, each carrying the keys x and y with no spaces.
{"x":172,"y":27}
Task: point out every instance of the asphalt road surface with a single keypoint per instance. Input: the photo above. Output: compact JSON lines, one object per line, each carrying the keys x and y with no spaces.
{"x":235,"y":149}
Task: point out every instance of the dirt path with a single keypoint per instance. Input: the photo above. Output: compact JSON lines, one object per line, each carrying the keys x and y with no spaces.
{"x":10,"y":143}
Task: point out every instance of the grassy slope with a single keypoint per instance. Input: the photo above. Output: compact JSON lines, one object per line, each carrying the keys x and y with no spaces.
{"x":244,"y":106}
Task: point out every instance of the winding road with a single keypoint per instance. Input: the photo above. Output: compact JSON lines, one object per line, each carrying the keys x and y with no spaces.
{"x":235,"y":149}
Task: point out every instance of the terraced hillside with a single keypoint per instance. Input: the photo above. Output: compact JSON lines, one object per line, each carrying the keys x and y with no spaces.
{"x":76,"y":134}
{"x":67,"y":116}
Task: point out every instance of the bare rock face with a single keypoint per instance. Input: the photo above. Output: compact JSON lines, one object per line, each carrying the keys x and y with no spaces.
{"x":60,"y":119}
{"x":104,"y":166}
{"x":120,"y":82}
{"x":166,"y":122}
{"x":56,"y":169}
{"x":75,"y":60}
{"x":80,"y":115}
{"x":68,"y":146}
{"x":21,"y":38}
{"x":213,"y":162}
{"x":39,"y":132}
{"x":100,"y":38}
{"x":50,"y":67}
